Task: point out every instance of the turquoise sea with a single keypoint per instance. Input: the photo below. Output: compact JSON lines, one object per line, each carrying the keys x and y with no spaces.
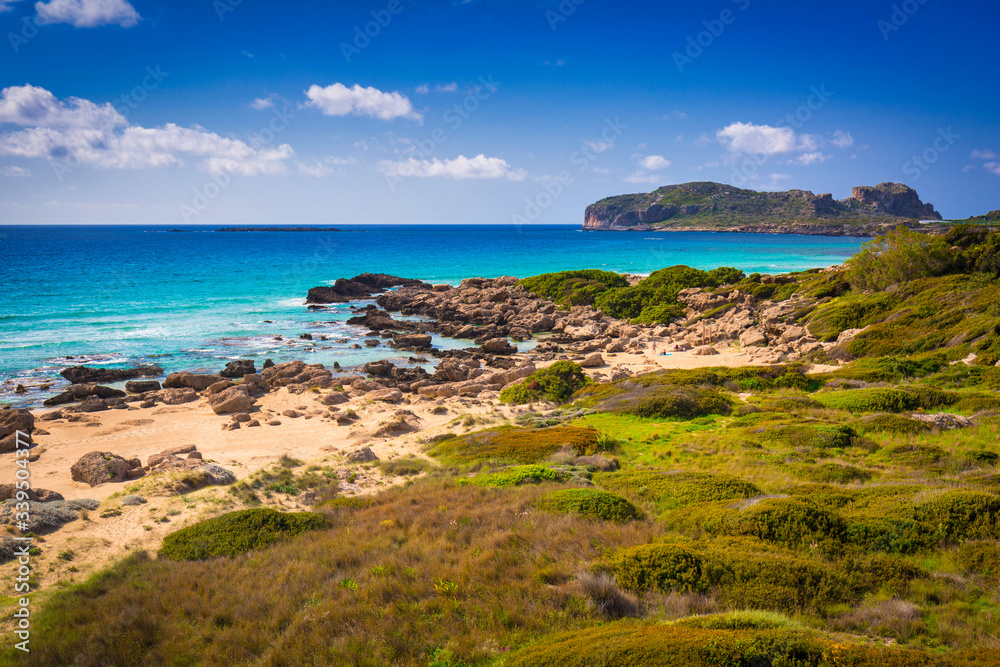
{"x":122,"y":295}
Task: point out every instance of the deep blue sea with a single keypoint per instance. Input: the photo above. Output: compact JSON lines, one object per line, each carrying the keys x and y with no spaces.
{"x":123,"y":295}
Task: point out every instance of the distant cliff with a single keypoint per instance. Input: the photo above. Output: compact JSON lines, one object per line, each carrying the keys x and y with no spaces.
{"x":705,"y":206}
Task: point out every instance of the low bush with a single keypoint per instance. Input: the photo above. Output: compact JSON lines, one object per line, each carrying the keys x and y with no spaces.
{"x":237,"y":532}
{"x":980,"y":558}
{"x":591,"y":503}
{"x":658,"y":566}
{"x":556,"y":383}
{"x":837,"y":473}
{"x":404,"y":466}
{"x":869,"y":400}
{"x":663,"y":401}
{"x":786,"y":521}
{"x":516,"y":475}
{"x":634,"y":644}
{"x":956,"y":516}
{"x":675,"y":489}
{"x":530,"y":445}
{"x":889,"y":423}
{"x":574,"y":288}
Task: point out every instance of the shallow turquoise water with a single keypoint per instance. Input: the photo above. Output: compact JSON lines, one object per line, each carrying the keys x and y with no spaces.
{"x":114,"y":295}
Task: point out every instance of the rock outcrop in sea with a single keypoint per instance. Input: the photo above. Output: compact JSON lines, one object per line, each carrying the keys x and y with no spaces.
{"x":706,"y":206}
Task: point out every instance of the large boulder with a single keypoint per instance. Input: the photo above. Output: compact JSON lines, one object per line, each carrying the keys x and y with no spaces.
{"x":96,"y":468}
{"x":13,"y":420}
{"x":176,"y":396}
{"x":498,"y":346}
{"x":80,"y":392}
{"x":418,"y":341}
{"x":295,"y":372}
{"x":593,"y":361}
{"x":753,"y":338}
{"x":234,"y":399}
{"x":142,"y":386}
{"x":239,"y":368}
{"x":84,"y":374}
{"x":187,"y":380}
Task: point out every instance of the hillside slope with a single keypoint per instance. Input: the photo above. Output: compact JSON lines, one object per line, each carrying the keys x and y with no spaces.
{"x":706,"y":206}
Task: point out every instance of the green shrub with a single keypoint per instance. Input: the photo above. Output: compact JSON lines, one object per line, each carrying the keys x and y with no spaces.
{"x":574,"y":288}
{"x":886,"y":535}
{"x":515,"y":475}
{"x":592,"y":503}
{"x":869,"y":400}
{"x":675,"y":489}
{"x":836,"y":472}
{"x":556,"y":383}
{"x":980,"y":558}
{"x":961,"y":515}
{"x":404,"y":466}
{"x":881,"y":573}
{"x":785,"y":521}
{"x":897,"y":257}
{"x":663,"y":567}
{"x":889,"y":423}
{"x":661,"y":401}
{"x":237,"y":532}
{"x":517,"y":445}
{"x":654,"y":299}
{"x":635,"y":644}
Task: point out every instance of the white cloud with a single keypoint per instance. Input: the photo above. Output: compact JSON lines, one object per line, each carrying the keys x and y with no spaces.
{"x":478,"y":167}
{"x":262,"y":103}
{"x":985,"y":155}
{"x":842,"y":139}
{"x":761,"y":139}
{"x":447,"y":87}
{"x":15,"y":172}
{"x":6,"y":5}
{"x":993,"y":168}
{"x":810,"y":158}
{"x":639,"y":176}
{"x":339,"y":100}
{"x":81,"y":132}
{"x":780,"y":177}
{"x":32,"y":106}
{"x":88,"y":13}
{"x":423,"y":89}
{"x":654,"y":162}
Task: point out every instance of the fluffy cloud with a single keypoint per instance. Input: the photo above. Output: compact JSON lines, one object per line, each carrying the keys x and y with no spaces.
{"x":479,"y":167}
{"x":842,"y":139}
{"x":993,"y":168}
{"x":985,"y":155}
{"x":80,"y":132}
{"x":761,"y":139}
{"x":654,"y":162}
{"x":88,"y":13}
{"x":339,"y":100}
{"x":750,"y":139}
{"x":810,"y":158}
{"x":32,"y":106}
{"x":262,"y":103}
{"x":14,"y":172}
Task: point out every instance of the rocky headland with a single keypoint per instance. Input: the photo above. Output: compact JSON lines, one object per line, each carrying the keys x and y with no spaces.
{"x":706,"y":206}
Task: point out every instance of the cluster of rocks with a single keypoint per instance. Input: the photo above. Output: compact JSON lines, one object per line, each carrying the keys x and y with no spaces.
{"x":96,"y":468}
{"x":767,"y":330}
{"x":13,"y":420}
{"x":88,"y":375}
{"x":363,"y":286}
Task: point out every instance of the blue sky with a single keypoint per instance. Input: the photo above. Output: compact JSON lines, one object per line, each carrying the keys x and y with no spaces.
{"x":482,"y":111}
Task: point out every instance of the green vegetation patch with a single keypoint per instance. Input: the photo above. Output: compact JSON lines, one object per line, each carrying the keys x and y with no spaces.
{"x":889,"y":423}
{"x":635,"y":644}
{"x":654,"y":299}
{"x":962,"y":515}
{"x":591,"y":503}
{"x":516,"y":475}
{"x":789,"y":522}
{"x":574,"y":288}
{"x":659,"y":401}
{"x":237,"y":532}
{"x":555,"y":383}
{"x":668,"y":490}
{"x":517,"y":445}
{"x":662,"y":567}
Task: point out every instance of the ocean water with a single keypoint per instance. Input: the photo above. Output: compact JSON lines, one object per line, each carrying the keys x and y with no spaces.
{"x":123,"y":295}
